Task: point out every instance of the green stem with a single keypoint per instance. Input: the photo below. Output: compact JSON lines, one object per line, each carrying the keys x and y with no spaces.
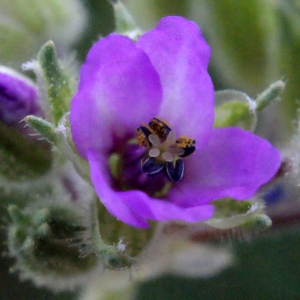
{"x":99,"y":247}
{"x":112,"y":257}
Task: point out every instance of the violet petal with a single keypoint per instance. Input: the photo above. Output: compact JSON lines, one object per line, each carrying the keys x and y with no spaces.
{"x":234,"y":164}
{"x":119,"y":89}
{"x":162,"y":210}
{"x":180,"y":55}
{"x":18,"y":97}
{"x":112,"y":200}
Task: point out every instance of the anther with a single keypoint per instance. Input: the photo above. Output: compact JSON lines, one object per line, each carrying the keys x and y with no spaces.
{"x":150,"y":166}
{"x":164,"y":149}
{"x":175,"y":173}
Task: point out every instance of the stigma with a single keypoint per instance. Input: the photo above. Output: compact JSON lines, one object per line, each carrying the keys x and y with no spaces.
{"x":164,"y":151}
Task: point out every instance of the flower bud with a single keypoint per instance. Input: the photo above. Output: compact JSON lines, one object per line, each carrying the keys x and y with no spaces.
{"x":18,"y":97}
{"x":234,"y":108}
{"x":22,"y":155}
{"x":49,"y":245}
{"x":246,"y":214}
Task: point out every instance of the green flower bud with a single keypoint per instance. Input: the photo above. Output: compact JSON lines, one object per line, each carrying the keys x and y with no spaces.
{"x":30,"y":23}
{"x":235,"y":108}
{"x":49,"y":244}
{"x":230,"y":213}
{"x":259,"y":222}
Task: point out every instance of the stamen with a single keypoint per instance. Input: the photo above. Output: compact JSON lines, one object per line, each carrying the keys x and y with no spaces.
{"x":150,"y":167}
{"x":154,"y":152}
{"x":167,"y":156}
{"x":160,"y":127}
{"x":142,"y":134}
{"x":154,"y":139}
{"x":176,"y":151}
{"x":171,"y":139}
{"x":175,"y":173}
{"x":164,"y":149}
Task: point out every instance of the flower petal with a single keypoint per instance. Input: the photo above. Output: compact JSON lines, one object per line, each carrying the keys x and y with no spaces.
{"x":112,"y":200}
{"x":119,"y":89}
{"x":18,"y":97}
{"x":162,"y":210}
{"x":234,"y":164}
{"x":180,"y":55}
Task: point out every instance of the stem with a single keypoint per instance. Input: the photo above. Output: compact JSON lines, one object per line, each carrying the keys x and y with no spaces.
{"x":99,"y":247}
{"x":112,"y":257}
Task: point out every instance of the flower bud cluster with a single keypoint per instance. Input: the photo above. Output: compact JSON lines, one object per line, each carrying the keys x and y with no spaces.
{"x":47,"y":244}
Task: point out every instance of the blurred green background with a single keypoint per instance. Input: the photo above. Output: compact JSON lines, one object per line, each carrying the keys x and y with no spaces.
{"x":254,"y":43}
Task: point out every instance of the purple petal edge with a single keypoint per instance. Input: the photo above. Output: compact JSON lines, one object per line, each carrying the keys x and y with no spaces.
{"x":234,"y":164}
{"x":161,"y":210}
{"x":180,"y":55}
{"x":119,"y":89}
{"x":112,"y":200}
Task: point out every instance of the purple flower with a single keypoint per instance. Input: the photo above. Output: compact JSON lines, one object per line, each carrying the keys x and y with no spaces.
{"x":18,"y":97}
{"x":123,"y":85}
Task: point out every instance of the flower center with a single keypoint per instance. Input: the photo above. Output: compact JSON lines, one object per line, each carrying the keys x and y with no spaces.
{"x":164,"y":150}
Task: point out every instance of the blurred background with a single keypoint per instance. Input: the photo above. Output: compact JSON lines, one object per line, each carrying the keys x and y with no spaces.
{"x":254,"y":43}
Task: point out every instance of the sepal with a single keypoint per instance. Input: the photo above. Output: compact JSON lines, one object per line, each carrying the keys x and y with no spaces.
{"x":234,"y":108}
{"x":230,"y":213}
{"x":56,"y":81}
{"x":44,"y":128}
{"x":124,"y":23}
{"x":269,"y":95}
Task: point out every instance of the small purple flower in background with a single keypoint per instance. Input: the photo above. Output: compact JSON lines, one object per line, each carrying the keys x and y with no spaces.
{"x":18,"y":98}
{"x":157,"y":175}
